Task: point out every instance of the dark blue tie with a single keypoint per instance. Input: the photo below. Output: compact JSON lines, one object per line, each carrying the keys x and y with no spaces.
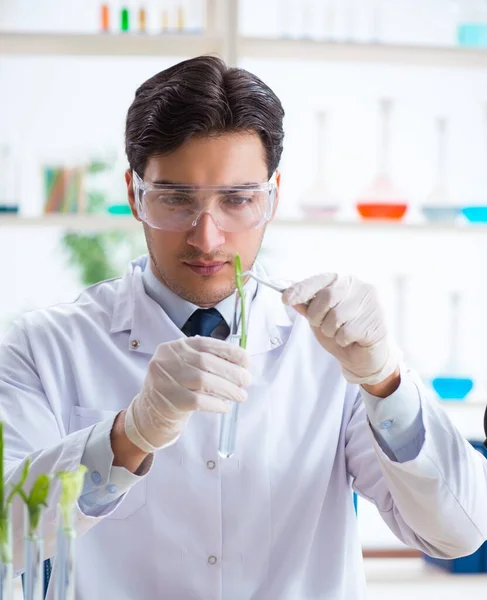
{"x":204,"y":321}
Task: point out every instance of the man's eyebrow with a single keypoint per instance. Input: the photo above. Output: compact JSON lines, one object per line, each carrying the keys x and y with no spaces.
{"x":189,"y":185}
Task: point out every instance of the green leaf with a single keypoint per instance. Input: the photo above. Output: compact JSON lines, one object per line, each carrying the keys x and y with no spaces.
{"x":97,"y":167}
{"x":36,"y":500}
{"x":18,"y":488}
{"x":25,"y":473}
{"x":40,"y":491}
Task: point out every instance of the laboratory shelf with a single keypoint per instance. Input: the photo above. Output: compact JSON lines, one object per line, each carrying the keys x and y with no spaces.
{"x":107,"y":222}
{"x":191,"y":44}
{"x":298,"y":49}
{"x":124,"y":44}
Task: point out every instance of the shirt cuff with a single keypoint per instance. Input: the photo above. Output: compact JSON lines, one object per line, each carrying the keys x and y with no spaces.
{"x":105,"y":484}
{"x":397,"y":421}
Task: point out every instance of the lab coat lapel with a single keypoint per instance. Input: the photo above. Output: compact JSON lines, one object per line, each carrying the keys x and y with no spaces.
{"x":269,"y":323}
{"x":135,"y":311}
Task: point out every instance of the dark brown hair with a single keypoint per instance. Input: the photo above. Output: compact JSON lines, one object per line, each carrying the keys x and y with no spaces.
{"x":197,"y":97}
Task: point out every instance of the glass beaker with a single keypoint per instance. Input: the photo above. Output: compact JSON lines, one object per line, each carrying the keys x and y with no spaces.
{"x":439,"y":205}
{"x":477,"y":213}
{"x":451,"y":385}
{"x":472,"y":25}
{"x":318,"y":202}
{"x":382,"y":199}
{"x":238,"y":332}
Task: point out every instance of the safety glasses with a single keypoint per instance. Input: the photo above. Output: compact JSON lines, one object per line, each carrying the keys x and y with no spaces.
{"x":233,"y":208}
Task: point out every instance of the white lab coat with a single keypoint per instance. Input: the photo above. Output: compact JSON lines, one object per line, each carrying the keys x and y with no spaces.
{"x":278,"y":517}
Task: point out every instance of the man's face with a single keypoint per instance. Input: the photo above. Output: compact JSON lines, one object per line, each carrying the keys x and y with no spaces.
{"x":177,"y":257}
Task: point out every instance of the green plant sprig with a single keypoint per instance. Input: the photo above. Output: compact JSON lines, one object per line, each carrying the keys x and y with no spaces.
{"x":71,"y":487}
{"x":243,"y":315}
{"x":35,"y":500}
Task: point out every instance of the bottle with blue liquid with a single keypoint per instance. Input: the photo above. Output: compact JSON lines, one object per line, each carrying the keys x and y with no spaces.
{"x":472,"y":26}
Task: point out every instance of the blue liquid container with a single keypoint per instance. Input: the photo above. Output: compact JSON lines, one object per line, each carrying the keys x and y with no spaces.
{"x":452,"y":388}
{"x":472,"y":34}
{"x":475,"y":214}
{"x":11,"y":209}
{"x":441,"y":214}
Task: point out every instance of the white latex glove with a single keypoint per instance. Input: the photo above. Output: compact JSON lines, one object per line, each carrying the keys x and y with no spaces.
{"x":196,"y":373}
{"x":348,"y":322}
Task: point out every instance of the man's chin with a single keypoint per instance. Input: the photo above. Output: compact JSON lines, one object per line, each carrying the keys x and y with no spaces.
{"x":208,"y":292}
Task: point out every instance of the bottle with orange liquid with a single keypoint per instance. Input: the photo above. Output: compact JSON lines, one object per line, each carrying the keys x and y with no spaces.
{"x":382,"y":199}
{"x":105,"y":18}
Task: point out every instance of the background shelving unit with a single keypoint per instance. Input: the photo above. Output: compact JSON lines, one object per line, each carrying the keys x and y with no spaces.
{"x":107,"y":222}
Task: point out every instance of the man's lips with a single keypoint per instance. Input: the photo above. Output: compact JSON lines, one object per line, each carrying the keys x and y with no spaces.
{"x":203,"y":268}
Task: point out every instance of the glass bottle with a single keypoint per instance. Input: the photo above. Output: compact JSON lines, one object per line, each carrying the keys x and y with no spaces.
{"x":382,"y":199}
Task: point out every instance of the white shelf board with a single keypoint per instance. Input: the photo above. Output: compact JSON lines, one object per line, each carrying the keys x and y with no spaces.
{"x":123,"y":44}
{"x":361,"y":53}
{"x":102,"y":222}
{"x":189,"y":44}
{"x":107,"y":222}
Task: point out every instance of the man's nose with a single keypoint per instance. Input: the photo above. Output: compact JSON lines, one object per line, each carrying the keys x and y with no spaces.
{"x":205,"y":235}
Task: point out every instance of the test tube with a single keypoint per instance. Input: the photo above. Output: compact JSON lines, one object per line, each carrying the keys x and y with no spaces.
{"x":6,"y":557}
{"x":105,"y":18}
{"x":33,"y":548}
{"x":181,"y":17}
{"x":64,"y":582}
{"x":229,"y":421}
{"x":124,"y":19}
{"x":142,"y":20}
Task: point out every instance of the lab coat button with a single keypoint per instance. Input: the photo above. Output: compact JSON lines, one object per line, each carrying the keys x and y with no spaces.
{"x":386,"y":424}
{"x":212,"y":560}
{"x":96,"y":477}
{"x":210,"y":464}
{"x":275,"y":341}
{"x":135,"y":344}
{"x":112,"y":488}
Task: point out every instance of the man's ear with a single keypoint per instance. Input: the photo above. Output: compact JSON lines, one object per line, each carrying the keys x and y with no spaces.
{"x":278,"y":189}
{"x":130,"y":193}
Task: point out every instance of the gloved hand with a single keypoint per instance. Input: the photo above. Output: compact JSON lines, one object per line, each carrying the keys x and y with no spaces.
{"x":348,"y":322}
{"x":197,"y":373}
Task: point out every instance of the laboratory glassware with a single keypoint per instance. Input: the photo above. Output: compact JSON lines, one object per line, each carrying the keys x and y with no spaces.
{"x":33,"y":548}
{"x":450,"y":385}
{"x":439,"y":206}
{"x":318,"y":202}
{"x":66,"y":536}
{"x":9,"y":201}
{"x":105,"y":18}
{"x":472,"y":26}
{"x":6,"y":554}
{"x":382,"y":199}
{"x":478,"y":213}
{"x":229,"y":420}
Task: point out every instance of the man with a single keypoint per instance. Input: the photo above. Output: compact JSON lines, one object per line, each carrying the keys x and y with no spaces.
{"x":130,"y":379}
